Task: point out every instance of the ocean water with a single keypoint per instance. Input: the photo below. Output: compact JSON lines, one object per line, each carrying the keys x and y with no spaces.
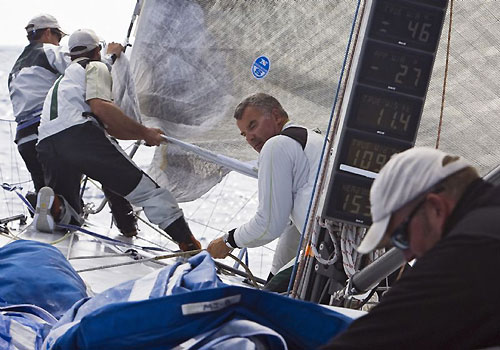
{"x":229,"y":204}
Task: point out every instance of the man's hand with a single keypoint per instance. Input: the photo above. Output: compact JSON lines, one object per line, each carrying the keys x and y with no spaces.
{"x":153,"y":136}
{"x":114,"y":48}
{"x":218,"y":248}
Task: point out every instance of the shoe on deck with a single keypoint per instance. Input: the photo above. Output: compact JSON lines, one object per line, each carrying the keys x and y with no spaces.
{"x":43,"y":219}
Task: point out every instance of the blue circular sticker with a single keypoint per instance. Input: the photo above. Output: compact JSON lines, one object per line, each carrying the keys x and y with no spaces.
{"x":260,"y":67}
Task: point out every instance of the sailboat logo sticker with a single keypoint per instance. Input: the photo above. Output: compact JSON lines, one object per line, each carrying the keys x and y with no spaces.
{"x":260,"y":67}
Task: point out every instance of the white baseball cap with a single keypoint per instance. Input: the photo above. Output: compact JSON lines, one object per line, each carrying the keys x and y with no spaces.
{"x":84,"y":39}
{"x":405,"y":176}
{"x":43,"y":21}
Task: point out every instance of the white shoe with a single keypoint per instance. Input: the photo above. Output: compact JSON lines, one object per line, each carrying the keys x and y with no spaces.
{"x":43,"y":219}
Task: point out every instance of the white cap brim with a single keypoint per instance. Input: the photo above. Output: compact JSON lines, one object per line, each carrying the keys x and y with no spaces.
{"x":374,"y":235}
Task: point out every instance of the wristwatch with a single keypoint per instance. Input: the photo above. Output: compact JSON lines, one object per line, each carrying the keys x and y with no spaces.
{"x":111,"y":57}
{"x":226,"y":242}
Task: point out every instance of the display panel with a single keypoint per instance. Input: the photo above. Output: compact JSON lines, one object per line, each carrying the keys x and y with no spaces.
{"x":365,"y":152}
{"x":385,"y":113}
{"x":349,"y":200}
{"x":406,"y":24}
{"x":396,"y":69}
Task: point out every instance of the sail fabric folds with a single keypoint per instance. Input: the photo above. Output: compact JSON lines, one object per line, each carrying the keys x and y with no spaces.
{"x":193,"y":61}
{"x":24,"y":327}
{"x":39,"y":274}
{"x":470,"y":125}
{"x":188,"y":307}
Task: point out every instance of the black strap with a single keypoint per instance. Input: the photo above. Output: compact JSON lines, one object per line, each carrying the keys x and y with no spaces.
{"x":297,"y":133}
{"x":84,"y":62}
{"x":230,"y":238}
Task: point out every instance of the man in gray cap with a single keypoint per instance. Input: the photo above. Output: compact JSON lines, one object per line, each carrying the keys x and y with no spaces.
{"x":435,"y":208}
{"x":33,"y":74}
{"x":77,"y":118}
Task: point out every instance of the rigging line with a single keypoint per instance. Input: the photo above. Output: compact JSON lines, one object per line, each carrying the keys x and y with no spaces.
{"x":239,"y":211}
{"x":247,"y":270}
{"x":203,"y":199}
{"x":215,"y":206}
{"x":163,"y":248}
{"x":104,"y":239}
{"x":60,"y":239}
{"x":13,"y":160}
{"x":445,"y":75}
{"x":7,"y":120}
{"x":319,"y":172}
{"x":99,"y":256}
{"x":14,"y":155}
{"x":159,"y":257}
{"x":14,"y":238}
{"x":19,"y":183}
{"x":156,"y":229}
{"x":70,"y":246}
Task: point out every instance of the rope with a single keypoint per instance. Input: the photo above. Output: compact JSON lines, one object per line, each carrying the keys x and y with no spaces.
{"x":336,"y":251}
{"x":247,"y":270}
{"x":10,"y":237}
{"x":60,"y":239}
{"x":99,"y":256}
{"x":104,"y":238}
{"x":156,"y":258}
{"x":306,"y":235}
{"x":156,"y":229}
{"x":445,"y":75}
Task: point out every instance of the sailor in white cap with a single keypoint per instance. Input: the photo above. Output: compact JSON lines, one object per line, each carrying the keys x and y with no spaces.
{"x":33,"y":74}
{"x":77,"y":119}
{"x":435,"y":208}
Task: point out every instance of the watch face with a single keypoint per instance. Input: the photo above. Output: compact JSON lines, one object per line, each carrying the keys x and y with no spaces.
{"x":395,"y":69}
{"x":385,"y":113}
{"x":406,"y":24}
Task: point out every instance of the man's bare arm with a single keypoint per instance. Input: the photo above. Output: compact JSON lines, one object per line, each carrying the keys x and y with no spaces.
{"x":119,"y":125}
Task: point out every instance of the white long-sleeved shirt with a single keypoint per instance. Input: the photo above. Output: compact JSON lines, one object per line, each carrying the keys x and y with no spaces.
{"x":285,"y":184}
{"x":33,"y":74}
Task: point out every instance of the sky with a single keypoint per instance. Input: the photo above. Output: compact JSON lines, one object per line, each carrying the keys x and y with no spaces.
{"x":110,"y":19}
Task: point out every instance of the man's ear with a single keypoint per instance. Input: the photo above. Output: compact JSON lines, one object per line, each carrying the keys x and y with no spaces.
{"x":277,"y":116}
{"x":438,"y":209}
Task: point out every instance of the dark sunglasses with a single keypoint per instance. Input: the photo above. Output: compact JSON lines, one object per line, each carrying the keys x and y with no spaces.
{"x":57,"y":32}
{"x":400,"y":237}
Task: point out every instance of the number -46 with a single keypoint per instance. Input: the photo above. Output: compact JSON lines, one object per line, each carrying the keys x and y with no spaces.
{"x":419,"y":30}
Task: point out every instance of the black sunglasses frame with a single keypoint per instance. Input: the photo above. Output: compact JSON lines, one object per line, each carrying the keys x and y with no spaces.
{"x":400,"y":238}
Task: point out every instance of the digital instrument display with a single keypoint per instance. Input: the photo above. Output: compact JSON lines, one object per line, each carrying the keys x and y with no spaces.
{"x":385,"y":113}
{"x":367,"y":152}
{"x":386,"y":100}
{"x":349,"y":200}
{"x":407,"y":24}
{"x":396,"y":69}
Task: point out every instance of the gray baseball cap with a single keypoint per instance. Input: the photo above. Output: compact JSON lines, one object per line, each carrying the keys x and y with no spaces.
{"x":85,"y":39}
{"x":43,"y":21}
